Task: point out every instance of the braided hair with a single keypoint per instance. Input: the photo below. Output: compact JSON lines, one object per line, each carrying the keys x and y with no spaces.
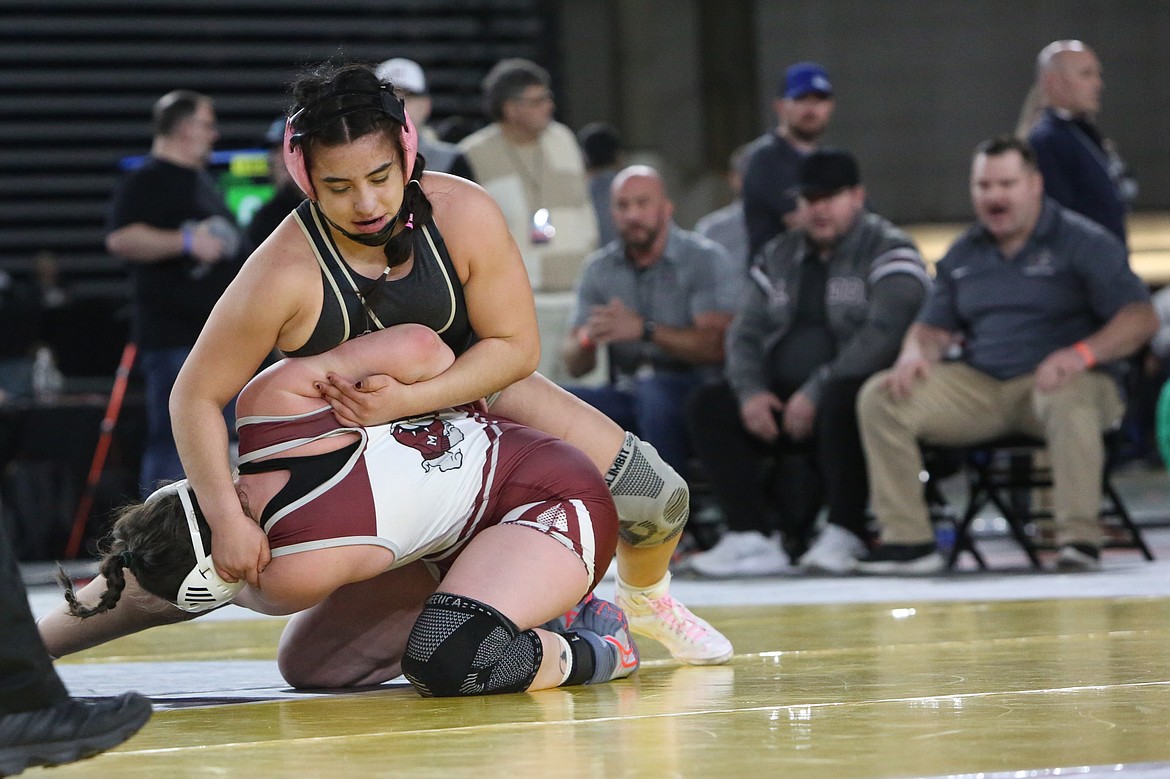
{"x":321,"y":91}
{"x":149,"y":539}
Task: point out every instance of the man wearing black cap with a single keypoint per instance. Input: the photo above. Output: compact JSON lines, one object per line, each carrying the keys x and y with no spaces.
{"x":803,"y":106}
{"x":827,"y":307}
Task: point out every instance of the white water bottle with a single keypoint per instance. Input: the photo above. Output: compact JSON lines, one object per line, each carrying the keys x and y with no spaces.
{"x":47,"y":381}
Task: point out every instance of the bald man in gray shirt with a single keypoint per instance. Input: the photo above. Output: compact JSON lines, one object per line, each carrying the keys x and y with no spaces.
{"x":659,"y":299}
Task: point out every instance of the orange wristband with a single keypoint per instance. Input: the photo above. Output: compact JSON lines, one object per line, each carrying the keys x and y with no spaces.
{"x":585,"y":341}
{"x":1086,"y":354}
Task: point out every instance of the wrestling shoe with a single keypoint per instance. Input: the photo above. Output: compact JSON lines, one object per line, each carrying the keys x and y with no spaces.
{"x":689,"y":639}
{"x":562,"y":623}
{"x":605,"y":629}
{"x":71,"y":730}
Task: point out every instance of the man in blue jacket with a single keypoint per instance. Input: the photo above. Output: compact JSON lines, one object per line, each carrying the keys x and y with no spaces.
{"x":1081,"y":168}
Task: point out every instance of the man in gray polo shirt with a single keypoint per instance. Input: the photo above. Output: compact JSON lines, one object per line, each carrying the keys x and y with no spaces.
{"x":1044,"y":302}
{"x":659,"y":299}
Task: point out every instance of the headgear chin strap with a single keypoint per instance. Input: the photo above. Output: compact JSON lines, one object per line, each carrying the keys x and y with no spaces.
{"x":381,"y":99}
{"x":203,"y":589}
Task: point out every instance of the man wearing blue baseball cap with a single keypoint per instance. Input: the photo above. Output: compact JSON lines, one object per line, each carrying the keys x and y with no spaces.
{"x":803,"y":105}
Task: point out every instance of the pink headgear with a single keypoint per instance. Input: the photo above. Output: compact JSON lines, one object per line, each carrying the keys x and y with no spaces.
{"x":381,"y":99}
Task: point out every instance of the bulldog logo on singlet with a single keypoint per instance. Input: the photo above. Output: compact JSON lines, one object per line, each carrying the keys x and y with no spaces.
{"x":435,"y":441}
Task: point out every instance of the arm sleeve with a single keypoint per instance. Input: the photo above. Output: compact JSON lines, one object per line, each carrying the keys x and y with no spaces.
{"x":764,"y":203}
{"x":746,"y":354}
{"x":761,"y":225}
{"x":589,"y":293}
{"x":725,"y":282}
{"x":1054,"y":168}
{"x":940,"y":308}
{"x":894,"y":302}
{"x":1112,"y":284}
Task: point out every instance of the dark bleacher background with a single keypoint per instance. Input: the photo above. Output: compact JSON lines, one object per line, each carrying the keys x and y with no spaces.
{"x":77,"y":80}
{"x":919,"y":82}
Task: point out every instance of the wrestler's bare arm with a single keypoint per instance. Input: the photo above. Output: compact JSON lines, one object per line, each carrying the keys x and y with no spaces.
{"x":270,"y":303}
{"x":289,"y":584}
{"x":137,"y":610}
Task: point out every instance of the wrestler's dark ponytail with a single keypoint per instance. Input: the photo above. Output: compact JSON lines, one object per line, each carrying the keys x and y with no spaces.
{"x":112,"y":569}
{"x":415,"y":212}
{"x":149,"y":539}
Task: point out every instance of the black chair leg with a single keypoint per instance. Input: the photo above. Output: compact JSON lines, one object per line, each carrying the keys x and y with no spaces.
{"x":976,"y":498}
{"x":1019,"y":531}
{"x":1123,"y":513}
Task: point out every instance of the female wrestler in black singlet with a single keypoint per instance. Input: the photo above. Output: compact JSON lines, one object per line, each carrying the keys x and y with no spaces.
{"x":382,"y":243}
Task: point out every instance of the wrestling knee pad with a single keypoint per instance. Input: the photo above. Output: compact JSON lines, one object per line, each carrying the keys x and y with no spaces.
{"x":460,"y":646}
{"x":653,"y":501}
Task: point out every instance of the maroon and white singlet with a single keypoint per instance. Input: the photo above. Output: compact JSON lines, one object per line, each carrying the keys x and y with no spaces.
{"x":423,"y":487}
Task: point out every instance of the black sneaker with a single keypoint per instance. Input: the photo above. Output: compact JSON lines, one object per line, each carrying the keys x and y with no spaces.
{"x":1078,"y":557}
{"x":72,"y":730}
{"x":913,"y":559}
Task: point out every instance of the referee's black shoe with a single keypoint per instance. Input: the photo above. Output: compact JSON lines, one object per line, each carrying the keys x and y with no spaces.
{"x":71,"y":730}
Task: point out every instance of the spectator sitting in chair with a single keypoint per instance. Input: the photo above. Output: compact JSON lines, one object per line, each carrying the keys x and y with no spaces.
{"x":1046,"y":304}
{"x":659,"y":299}
{"x":826,"y":307}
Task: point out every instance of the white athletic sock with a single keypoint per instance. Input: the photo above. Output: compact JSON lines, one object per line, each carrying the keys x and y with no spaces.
{"x":656,"y":590}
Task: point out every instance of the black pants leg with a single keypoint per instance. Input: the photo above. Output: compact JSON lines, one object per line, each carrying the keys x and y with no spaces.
{"x":735,"y":461}
{"x":798,"y":491}
{"x":27,"y":678}
{"x":842,"y":460}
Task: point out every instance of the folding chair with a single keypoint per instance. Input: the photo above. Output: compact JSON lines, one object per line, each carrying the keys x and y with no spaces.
{"x":1003,"y":472}
{"x":940,"y":463}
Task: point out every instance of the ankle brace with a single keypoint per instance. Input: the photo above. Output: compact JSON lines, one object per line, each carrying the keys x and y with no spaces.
{"x":582,"y":661}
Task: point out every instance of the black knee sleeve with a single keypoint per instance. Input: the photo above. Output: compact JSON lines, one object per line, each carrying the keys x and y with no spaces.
{"x":460,"y":646}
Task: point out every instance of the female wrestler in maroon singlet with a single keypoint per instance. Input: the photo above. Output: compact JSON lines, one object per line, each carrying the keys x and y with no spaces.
{"x":363,"y":522}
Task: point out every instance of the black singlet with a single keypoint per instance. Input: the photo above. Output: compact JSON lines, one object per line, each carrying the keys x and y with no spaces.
{"x":430,"y":294}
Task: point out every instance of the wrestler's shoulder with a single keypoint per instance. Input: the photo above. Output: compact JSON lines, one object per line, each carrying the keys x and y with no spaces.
{"x":445,"y":190}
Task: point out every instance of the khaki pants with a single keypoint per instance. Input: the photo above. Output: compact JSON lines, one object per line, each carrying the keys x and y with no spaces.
{"x":957,"y":405}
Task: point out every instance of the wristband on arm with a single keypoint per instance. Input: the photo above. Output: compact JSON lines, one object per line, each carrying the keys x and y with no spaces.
{"x":188,"y":241}
{"x":1086,"y":353}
